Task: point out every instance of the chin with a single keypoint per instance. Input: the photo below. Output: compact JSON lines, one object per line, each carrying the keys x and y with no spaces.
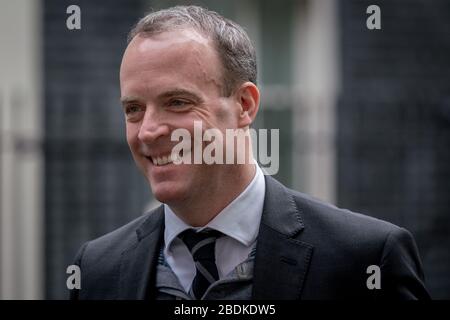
{"x":167,"y":194}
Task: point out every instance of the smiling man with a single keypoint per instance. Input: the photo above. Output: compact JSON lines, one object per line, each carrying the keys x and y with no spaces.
{"x":169,"y":80}
{"x":225,"y":231}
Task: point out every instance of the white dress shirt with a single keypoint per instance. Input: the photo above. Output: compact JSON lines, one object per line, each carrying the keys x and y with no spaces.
{"x":239,"y":222}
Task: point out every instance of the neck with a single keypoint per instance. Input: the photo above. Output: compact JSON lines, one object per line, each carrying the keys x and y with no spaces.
{"x":198,"y":211}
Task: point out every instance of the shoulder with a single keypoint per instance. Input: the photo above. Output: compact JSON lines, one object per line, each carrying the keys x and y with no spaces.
{"x":346,"y":241}
{"x":316,"y":212}
{"x":111,"y":245}
{"x":327,"y":226}
{"x":100,"y":260}
{"x":324,"y":218}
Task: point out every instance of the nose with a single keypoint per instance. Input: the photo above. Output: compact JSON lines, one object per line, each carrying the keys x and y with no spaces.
{"x":152,"y":127}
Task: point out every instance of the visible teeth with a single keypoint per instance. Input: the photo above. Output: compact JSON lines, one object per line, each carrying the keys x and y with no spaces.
{"x":160,"y":161}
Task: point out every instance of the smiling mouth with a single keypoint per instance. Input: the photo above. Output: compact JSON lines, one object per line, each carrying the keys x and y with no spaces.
{"x":166,"y":159}
{"x":162,"y":160}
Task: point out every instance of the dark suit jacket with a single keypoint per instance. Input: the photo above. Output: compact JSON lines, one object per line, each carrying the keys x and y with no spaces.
{"x":306,"y":249}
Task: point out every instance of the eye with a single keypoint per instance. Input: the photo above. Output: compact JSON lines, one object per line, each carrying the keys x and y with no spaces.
{"x":178,"y":103}
{"x":131,"y":109}
{"x":134,"y":112}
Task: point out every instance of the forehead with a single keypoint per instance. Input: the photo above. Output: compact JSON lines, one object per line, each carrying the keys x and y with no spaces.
{"x":181,"y":57}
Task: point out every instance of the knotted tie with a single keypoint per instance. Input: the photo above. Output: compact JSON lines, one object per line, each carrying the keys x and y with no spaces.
{"x":202,"y":247}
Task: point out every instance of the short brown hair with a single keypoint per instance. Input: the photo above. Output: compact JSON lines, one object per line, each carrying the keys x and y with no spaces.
{"x":235,"y":48}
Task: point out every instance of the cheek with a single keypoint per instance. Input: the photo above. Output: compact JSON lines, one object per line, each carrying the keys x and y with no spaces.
{"x":227,"y":113}
{"x":223,"y":113}
{"x":220,"y":115}
{"x":132,"y":137}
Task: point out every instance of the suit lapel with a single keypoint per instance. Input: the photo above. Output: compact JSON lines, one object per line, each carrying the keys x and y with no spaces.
{"x":281,"y":261}
{"x":138,"y":265}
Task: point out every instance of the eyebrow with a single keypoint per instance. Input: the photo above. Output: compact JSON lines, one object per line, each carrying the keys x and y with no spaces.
{"x":129,"y":99}
{"x":164,"y":95}
{"x":179,"y":92}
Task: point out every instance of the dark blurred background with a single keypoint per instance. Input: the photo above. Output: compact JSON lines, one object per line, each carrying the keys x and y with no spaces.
{"x":364,"y":119}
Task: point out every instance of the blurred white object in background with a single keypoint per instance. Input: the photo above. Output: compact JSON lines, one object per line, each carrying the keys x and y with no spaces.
{"x":21,"y":156}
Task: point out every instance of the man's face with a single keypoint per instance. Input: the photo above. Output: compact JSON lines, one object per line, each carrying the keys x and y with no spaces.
{"x":168,"y":81}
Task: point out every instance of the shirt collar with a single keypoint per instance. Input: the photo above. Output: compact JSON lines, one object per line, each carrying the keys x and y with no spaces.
{"x":239,"y":220}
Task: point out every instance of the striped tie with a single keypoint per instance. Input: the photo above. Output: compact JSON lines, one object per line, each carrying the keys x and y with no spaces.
{"x":202,"y":247}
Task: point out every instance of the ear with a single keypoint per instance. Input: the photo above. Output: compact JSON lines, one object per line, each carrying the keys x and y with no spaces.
{"x":247,"y":97}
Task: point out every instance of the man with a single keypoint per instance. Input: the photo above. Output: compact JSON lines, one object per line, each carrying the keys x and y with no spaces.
{"x":225,"y":231}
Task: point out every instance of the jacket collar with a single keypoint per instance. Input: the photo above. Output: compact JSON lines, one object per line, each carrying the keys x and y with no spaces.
{"x":138,"y":264}
{"x":281,"y":261}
